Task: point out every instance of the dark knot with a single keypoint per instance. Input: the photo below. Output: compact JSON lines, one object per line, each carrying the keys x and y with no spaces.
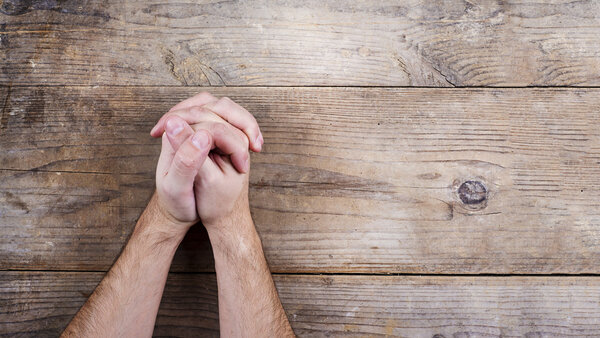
{"x":472,"y":192}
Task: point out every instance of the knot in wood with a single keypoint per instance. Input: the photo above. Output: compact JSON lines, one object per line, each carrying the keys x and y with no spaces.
{"x":472,"y":192}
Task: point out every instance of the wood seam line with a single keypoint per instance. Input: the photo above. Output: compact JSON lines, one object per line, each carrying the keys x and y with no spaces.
{"x":324,"y":274}
{"x":5,"y":85}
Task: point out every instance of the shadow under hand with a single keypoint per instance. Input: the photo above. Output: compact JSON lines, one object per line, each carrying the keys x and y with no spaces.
{"x":194,"y":253}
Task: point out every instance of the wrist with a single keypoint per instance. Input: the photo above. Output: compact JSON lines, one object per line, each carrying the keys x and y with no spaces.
{"x":237,"y":247}
{"x":237,"y":216}
{"x":154,"y":220}
{"x":227,"y":233}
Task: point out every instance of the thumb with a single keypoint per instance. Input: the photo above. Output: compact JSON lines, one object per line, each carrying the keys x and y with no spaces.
{"x":187,"y":161}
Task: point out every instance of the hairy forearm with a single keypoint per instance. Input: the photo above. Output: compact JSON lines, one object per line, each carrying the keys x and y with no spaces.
{"x":249,"y":305}
{"x":126,"y":301}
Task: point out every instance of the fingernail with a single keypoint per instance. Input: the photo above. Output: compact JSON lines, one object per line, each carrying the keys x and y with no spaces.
{"x":153,"y":129}
{"x":173,"y":127}
{"x":200,"y":140}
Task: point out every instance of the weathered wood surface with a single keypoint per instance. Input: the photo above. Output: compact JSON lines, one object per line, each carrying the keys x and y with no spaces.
{"x":351,"y":180}
{"x":41,"y":303}
{"x":65,"y":220}
{"x":411,"y":43}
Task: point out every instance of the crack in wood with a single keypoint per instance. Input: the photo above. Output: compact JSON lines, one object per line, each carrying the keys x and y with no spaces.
{"x":4,"y":113}
{"x":443,"y":75}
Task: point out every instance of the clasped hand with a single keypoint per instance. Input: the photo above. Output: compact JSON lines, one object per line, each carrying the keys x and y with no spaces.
{"x":202,"y":171}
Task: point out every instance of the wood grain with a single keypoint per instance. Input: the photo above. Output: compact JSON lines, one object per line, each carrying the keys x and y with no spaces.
{"x":3,"y":105}
{"x":79,"y":221}
{"x":41,"y":304}
{"x":350,"y":180}
{"x":364,"y":43}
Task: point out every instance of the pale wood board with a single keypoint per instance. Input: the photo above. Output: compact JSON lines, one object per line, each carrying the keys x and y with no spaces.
{"x":364,"y":43}
{"x":350,"y":180}
{"x":41,"y":303}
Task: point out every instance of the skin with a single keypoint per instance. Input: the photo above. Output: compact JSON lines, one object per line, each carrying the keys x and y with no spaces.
{"x":202,"y":175}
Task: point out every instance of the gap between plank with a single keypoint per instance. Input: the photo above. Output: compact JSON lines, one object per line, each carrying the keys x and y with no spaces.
{"x":291,"y":86}
{"x":340,"y":273}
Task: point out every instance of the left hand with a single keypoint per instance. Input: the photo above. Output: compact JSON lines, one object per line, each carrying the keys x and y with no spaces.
{"x":175,"y":174}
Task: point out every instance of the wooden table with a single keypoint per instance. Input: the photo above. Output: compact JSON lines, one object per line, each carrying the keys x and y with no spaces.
{"x":430,"y":169}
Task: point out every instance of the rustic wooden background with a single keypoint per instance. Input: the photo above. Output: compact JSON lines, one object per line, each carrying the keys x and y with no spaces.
{"x":356,"y":195}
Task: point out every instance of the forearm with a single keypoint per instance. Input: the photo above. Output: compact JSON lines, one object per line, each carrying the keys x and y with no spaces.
{"x":248,"y":301}
{"x":126,"y":302}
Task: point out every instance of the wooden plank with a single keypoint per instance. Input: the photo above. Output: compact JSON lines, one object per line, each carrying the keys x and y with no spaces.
{"x":441,"y":306}
{"x":48,"y":217}
{"x":78,"y":221}
{"x":413,"y":43}
{"x":350,"y":180}
{"x":41,"y":304}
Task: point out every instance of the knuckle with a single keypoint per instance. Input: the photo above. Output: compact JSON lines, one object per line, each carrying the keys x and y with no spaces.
{"x":225,"y":103}
{"x":245,"y":141}
{"x":197,"y":110}
{"x":202,"y":113}
{"x":167,"y":116}
{"x":205,"y":95}
{"x":184,"y":163}
{"x":241,"y":137}
{"x":173,"y":117}
{"x":225,"y":100}
{"x":219,"y":128}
